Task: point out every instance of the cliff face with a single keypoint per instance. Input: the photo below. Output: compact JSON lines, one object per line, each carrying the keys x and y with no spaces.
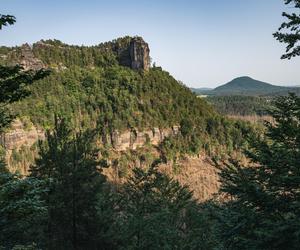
{"x":19,"y":136}
{"x":19,"y":142}
{"x":134,"y":139}
{"x":28,"y":60}
{"x":132,"y":52}
{"x":196,"y":172}
{"x":139,"y":54}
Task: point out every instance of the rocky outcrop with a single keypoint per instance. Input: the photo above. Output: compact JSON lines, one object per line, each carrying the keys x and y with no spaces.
{"x":130,"y":52}
{"x":19,"y":136}
{"x":139,"y":54}
{"x":133,"y":139}
{"x":19,"y":144}
{"x":198,"y":173}
{"x":27,"y":59}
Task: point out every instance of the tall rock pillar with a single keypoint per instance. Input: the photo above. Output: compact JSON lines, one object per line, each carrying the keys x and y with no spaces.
{"x":139,"y":54}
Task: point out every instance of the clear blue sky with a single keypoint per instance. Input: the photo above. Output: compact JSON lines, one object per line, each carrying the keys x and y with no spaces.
{"x":201,"y":42}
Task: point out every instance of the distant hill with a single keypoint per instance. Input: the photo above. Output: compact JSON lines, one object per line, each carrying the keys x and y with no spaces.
{"x":248,"y":86}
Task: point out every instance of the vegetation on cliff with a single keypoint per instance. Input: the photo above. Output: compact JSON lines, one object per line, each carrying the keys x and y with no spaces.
{"x":94,"y":87}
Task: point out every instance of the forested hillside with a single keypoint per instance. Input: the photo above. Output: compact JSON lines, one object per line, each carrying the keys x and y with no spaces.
{"x":95,"y":87}
{"x":89,"y":94}
{"x":92,"y":81}
{"x":248,"y":86}
{"x":100,"y":150}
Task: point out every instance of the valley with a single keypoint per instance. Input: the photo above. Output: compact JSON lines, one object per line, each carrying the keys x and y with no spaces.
{"x":124,"y":101}
{"x":103,"y":148}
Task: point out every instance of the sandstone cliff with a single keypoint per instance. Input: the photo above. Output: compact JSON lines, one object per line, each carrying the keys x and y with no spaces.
{"x":198,"y":172}
{"x":20,"y":140}
{"x":139,"y":54}
{"x":132,"y":52}
{"x":28,"y":60}
{"x":19,"y":144}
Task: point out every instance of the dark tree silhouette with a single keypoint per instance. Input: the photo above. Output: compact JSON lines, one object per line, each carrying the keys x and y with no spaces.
{"x":289,"y":31}
{"x":6,"y":20}
{"x":265,"y":209}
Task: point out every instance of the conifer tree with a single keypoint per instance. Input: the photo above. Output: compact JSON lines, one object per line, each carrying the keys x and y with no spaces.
{"x":22,"y":210}
{"x":264,"y":212}
{"x":156,"y":212}
{"x":67,"y":161}
{"x":291,"y":36}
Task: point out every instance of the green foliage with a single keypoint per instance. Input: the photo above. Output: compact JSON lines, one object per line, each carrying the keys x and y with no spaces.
{"x":22,"y":210}
{"x":110,"y":97}
{"x":114,"y":97}
{"x":21,"y":205}
{"x":64,"y":203}
{"x":14,"y":87}
{"x":265,"y":192}
{"x":67,"y":163}
{"x":291,"y":34}
{"x":156,"y":212}
{"x":215,"y":134}
{"x":6,"y":20}
{"x":241,"y":105}
{"x":23,"y":157}
{"x":106,"y":93}
{"x":32,"y":246}
{"x":14,"y":81}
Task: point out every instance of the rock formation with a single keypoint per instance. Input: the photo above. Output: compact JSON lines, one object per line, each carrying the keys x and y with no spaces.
{"x":20,"y":139}
{"x":18,"y":136}
{"x":135,"y":139}
{"x":196,"y":172}
{"x":28,"y":60}
{"x":139,"y":54}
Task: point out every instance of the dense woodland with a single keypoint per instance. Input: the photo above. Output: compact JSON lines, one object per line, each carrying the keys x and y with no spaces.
{"x":66,"y":202}
{"x":242,"y":105}
{"x":109,"y":96}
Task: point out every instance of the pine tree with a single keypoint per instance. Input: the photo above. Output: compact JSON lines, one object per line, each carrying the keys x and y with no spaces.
{"x":6,"y":20}
{"x":264,"y":212}
{"x":22,"y":210}
{"x":292,"y":35}
{"x":156,"y":212}
{"x":67,"y":161}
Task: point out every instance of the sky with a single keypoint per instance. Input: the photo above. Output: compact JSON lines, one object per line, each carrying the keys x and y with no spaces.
{"x":203,"y":43}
